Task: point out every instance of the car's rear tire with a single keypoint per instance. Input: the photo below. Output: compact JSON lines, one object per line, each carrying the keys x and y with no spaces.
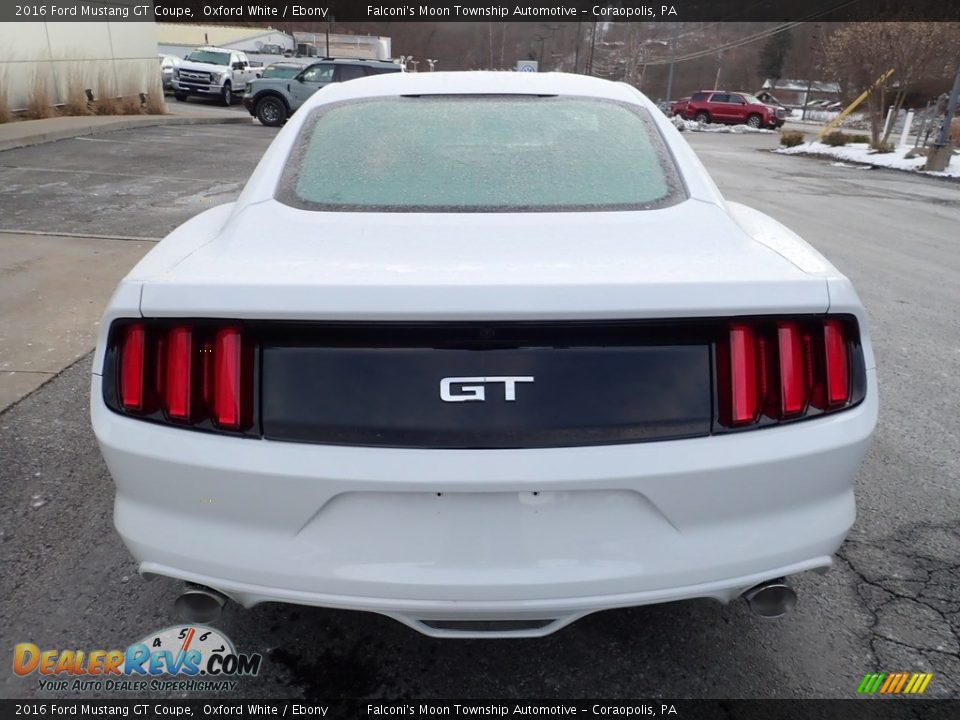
{"x":181,"y":97}
{"x":755,"y":121}
{"x":226,"y":95}
{"x":271,"y":111}
{"x":702,"y":117}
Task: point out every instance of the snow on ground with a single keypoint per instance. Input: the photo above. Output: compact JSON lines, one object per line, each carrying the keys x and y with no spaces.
{"x":694,"y":126}
{"x":862,"y":154}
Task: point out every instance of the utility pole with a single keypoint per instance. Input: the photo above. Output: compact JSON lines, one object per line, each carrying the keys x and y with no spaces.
{"x":540,"y":38}
{"x":490,"y":34}
{"x":673,"y":60}
{"x":576,"y":51}
{"x":944,"y":135}
{"x":940,"y":155}
{"x":593,"y":42}
{"x":806,"y":98}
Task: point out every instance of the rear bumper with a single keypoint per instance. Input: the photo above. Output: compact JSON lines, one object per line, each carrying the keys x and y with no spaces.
{"x":484,"y":534}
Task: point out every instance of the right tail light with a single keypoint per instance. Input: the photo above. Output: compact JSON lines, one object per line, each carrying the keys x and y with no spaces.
{"x":784,"y":369}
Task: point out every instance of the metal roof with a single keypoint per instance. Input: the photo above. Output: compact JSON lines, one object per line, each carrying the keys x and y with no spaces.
{"x":801,"y":85}
{"x":182,"y":34}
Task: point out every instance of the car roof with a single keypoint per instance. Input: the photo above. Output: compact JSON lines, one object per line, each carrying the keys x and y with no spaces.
{"x":351,"y":61}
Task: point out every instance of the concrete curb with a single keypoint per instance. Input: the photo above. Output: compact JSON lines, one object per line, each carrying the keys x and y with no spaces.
{"x":84,"y":127}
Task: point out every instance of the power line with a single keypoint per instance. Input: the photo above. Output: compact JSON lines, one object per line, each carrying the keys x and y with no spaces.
{"x":749,"y":38}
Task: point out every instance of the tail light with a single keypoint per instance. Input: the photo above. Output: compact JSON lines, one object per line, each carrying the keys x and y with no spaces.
{"x":133,"y":358}
{"x":837,"y":364}
{"x":770,"y":371}
{"x":177,"y":350}
{"x":199,"y":375}
{"x":738,"y":365}
{"x":231,"y":380}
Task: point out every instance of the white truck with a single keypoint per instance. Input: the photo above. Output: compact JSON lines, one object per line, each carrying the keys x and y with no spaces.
{"x":214,"y":72}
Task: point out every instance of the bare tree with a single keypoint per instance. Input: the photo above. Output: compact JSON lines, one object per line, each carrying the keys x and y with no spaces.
{"x":859,"y":53}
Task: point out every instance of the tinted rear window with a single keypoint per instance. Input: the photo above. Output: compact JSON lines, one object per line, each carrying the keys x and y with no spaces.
{"x":479,"y":154}
{"x":282,"y":71}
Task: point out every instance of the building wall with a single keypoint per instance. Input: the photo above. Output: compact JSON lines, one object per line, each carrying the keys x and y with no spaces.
{"x":117,"y":58}
{"x":370,"y":47}
{"x":249,"y":45}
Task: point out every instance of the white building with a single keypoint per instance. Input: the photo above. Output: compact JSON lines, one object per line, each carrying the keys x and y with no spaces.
{"x":341,"y":45}
{"x":115,"y":57}
{"x":179,"y":39}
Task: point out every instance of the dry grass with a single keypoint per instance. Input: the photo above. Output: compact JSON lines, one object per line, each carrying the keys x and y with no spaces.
{"x":156,"y":105}
{"x":76,"y":97}
{"x":6,"y":115}
{"x":39,"y":100}
{"x":105,"y":100}
{"x":130,"y":105}
{"x":130,"y":95}
{"x":955,"y":131}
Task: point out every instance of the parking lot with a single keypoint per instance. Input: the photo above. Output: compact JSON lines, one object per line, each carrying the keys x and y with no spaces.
{"x":891,"y":603}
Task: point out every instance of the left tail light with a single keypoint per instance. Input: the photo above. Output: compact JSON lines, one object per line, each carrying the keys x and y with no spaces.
{"x":200,"y":375}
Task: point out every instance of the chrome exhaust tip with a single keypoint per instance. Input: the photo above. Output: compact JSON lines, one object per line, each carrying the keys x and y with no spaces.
{"x":199,"y":604}
{"x":771,"y":599}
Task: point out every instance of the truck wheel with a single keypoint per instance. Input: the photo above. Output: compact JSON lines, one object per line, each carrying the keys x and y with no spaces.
{"x":181,"y":97}
{"x":754,"y":121}
{"x":271,"y":112}
{"x":702,"y":117}
{"x":226,"y":95}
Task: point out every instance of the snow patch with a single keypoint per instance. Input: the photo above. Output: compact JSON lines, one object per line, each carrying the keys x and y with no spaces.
{"x":862,"y":154}
{"x":693,"y":126}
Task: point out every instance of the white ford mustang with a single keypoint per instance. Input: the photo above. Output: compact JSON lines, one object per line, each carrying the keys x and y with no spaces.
{"x":483,"y":352}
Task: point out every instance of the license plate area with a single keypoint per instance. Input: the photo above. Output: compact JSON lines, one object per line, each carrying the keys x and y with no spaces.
{"x":461,"y":398}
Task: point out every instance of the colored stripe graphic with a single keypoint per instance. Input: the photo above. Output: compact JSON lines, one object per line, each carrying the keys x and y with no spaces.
{"x":902,"y":681}
{"x":894,"y":683}
{"x":891,"y":679}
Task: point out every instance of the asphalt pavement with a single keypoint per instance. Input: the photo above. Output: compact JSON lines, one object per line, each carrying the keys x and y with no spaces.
{"x":891,"y":603}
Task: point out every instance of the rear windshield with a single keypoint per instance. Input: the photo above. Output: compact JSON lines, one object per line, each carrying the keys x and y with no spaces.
{"x":479,"y":154}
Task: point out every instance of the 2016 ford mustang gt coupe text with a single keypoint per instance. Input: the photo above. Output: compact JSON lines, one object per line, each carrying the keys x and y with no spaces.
{"x":484,"y":353}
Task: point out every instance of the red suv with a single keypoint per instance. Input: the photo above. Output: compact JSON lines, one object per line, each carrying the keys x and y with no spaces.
{"x":721,"y":106}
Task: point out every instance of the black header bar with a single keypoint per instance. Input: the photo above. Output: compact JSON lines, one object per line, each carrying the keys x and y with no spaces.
{"x":354,"y":709}
{"x":313,"y":11}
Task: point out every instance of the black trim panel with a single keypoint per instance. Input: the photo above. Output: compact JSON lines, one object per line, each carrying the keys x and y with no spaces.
{"x":560,"y":396}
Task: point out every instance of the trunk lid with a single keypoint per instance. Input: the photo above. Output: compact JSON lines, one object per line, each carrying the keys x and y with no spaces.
{"x":276,"y":262}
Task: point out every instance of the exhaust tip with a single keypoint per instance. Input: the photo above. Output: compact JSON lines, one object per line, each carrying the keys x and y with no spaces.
{"x":771,"y":599}
{"x":199,"y":604}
